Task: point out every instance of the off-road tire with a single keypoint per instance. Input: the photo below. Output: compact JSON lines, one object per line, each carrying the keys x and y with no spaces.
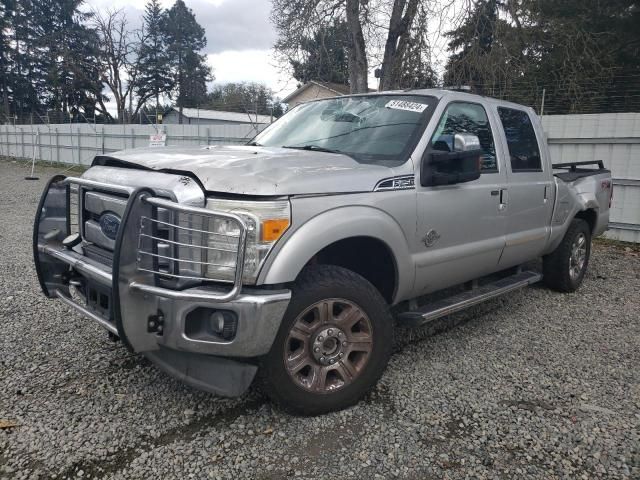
{"x":556,"y":265}
{"x":315,"y":284}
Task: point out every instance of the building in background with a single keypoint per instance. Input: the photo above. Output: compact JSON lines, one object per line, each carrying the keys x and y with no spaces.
{"x":196,"y":116}
{"x":314,"y":90}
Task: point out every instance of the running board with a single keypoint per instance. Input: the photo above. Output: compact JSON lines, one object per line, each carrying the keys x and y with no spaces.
{"x":469,"y":298}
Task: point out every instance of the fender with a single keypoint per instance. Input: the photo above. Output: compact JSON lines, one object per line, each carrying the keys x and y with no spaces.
{"x":580,"y":199}
{"x":341,"y":223}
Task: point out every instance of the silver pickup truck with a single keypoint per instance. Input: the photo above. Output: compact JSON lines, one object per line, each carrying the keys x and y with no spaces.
{"x":295,"y":256}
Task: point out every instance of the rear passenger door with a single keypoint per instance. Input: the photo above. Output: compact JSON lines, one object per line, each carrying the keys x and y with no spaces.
{"x":527,"y":200}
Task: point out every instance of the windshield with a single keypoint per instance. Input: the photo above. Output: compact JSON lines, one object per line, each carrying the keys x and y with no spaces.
{"x":370,"y":129}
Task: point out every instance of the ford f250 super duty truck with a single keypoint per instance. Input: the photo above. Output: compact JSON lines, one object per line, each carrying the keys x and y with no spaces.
{"x":293,"y":257}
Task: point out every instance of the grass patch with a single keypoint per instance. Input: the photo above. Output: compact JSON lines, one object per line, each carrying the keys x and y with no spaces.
{"x":45,"y":165}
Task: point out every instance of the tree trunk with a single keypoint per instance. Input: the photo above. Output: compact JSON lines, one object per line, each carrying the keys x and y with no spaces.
{"x":399,"y":25}
{"x":358,"y":68}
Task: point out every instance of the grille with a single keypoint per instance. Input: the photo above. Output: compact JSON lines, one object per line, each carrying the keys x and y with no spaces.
{"x":95,"y":206}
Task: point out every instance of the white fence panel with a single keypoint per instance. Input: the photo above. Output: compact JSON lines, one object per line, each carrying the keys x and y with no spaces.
{"x":615,"y":139}
{"x":78,"y":143}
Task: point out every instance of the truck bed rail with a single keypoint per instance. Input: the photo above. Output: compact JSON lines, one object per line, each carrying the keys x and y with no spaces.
{"x":573,"y":166}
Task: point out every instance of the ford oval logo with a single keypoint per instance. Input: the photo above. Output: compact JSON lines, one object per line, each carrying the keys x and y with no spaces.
{"x":109,"y":224}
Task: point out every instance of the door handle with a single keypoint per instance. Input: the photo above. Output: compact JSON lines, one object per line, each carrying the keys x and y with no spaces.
{"x":546,"y":193}
{"x":495,"y":193}
{"x":504,"y":199}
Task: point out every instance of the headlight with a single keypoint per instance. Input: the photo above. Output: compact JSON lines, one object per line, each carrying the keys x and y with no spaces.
{"x":266,"y":222}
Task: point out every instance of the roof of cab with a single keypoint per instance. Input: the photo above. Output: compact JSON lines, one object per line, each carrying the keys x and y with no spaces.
{"x":442,"y":92}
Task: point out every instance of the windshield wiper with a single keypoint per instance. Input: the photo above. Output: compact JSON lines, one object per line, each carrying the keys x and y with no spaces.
{"x":314,"y":148}
{"x":254,"y":144}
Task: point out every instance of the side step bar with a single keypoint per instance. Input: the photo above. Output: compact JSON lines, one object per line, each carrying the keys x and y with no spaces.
{"x":464,"y":300}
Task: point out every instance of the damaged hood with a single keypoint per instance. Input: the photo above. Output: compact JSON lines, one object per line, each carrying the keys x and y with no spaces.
{"x":268,"y":171}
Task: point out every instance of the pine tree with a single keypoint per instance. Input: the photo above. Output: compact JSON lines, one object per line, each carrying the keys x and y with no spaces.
{"x":6,"y":11}
{"x":471,"y":44}
{"x":154,"y":72}
{"x":65,"y":69}
{"x":22,"y":75}
{"x":244,"y":98}
{"x":416,"y":71}
{"x":324,"y":56}
{"x":185,"y":39}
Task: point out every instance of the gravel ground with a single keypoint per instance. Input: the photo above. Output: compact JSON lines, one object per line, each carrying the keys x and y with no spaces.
{"x":536,"y":385}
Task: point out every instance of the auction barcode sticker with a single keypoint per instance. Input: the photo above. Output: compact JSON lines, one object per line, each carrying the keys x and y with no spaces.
{"x":404,"y":105}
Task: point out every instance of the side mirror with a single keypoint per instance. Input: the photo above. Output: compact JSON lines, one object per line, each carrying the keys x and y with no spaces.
{"x":448,"y":168}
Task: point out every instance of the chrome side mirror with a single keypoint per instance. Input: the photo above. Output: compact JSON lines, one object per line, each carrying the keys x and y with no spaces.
{"x":465,"y":142}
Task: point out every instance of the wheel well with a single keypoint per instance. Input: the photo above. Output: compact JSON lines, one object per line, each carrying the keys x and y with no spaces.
{"x":366,"y":256}
{"x":590,"y":216}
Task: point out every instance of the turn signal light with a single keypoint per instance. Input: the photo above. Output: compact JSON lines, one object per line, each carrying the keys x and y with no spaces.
{"x":272,"y":230}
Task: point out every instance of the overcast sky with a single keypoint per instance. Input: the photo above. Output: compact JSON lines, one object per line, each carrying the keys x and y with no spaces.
{"x":239,"y":38}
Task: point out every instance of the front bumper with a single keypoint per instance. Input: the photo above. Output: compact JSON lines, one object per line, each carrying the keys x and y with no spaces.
{"x":259,"y":312}
{"x":138,"y":299}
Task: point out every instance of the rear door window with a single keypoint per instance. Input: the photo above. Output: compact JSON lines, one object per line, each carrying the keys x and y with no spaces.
{"x":521,"y":139}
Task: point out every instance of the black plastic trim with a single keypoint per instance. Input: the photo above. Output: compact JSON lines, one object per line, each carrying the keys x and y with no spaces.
{"x":36,"y":223}
{"x":115,"y":270}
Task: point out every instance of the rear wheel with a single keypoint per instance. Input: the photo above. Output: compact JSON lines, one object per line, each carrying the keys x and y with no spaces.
{"x":334,"y":342}
{"x":565,"y":267}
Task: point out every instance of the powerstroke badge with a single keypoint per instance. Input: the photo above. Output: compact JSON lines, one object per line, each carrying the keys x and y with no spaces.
{"x":409,"y":106}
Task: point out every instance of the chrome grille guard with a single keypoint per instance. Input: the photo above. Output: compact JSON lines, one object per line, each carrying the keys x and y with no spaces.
{"x":51,"y":246}
{"x":197,"y":253}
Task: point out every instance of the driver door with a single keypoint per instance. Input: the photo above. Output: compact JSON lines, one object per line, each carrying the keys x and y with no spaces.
{"x":461,"y":227}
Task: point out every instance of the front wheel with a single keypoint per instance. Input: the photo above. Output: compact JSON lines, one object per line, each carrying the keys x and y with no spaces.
{"x":334,"y":342}
{"x":565,"y":267}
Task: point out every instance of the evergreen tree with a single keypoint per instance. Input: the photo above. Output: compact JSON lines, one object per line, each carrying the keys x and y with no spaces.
{"x":243,"y":97}
{"x":585,"y":54}
{"x":471,"y":44}
{"x":416,"y":71}
{"x":154,"y":73}
{"x":6,"y":11}
{"x":75,"y":57}
{"x":324,"y":56}
{"x":23,"y":77}
{"x":185,"y":39}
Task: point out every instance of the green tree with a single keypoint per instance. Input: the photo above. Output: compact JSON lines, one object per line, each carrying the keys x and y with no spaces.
{"x":416,"y":71}
{"x":23,"y":73}
{"x":585,"y":54}
{"x":471,"y":45}
{"x":6,"y":11}
{"x":323,"y":56}
{"x":154,"y":73}
{"x":67,"y":56}
{"x":185,"y":39}
{"x":249,"y":98}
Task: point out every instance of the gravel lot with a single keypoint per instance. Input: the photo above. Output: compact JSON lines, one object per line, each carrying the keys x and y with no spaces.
{"x":536,"y":385}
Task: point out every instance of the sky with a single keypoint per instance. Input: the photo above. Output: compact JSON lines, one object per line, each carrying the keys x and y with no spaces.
{"x":239,"y":38}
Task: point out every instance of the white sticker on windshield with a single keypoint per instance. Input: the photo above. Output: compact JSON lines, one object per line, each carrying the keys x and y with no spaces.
{"x":409,"y":106}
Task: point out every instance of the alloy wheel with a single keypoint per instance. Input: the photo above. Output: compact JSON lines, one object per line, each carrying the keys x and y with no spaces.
{"x":328,"y":345}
